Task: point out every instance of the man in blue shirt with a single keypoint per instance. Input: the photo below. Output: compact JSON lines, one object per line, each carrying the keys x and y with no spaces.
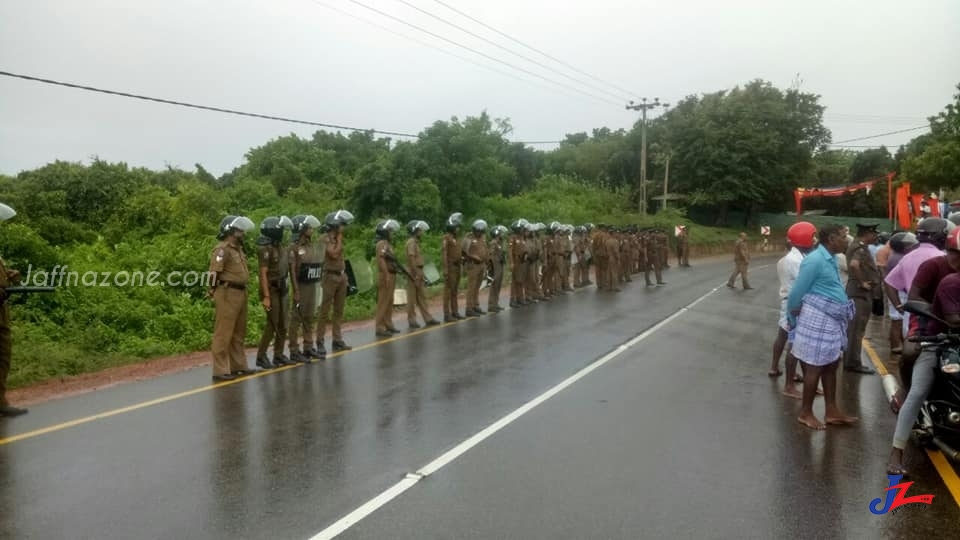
{"x":819,"y":311}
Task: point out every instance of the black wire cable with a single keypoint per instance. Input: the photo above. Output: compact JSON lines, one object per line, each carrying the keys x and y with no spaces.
{"x":532,"y":48}
{"x":882,"y":134}
{"x":204,"y":107}
{"x":501,"y":47}
{"x":432,"y":46}
{"x":483,"y":54}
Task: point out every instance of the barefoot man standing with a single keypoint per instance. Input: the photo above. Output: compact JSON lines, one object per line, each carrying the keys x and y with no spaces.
{"x":819,"y":310}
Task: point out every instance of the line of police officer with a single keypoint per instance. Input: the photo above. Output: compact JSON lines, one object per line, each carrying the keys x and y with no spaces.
{"x":544,"y":259}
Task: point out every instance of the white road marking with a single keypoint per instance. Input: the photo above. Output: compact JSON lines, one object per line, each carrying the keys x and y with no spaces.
{"x":411,"y":479}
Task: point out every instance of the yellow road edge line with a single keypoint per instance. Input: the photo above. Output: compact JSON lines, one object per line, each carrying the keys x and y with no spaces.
{"x":875,"y":359}
{"x":947,"y":473}
{"x":940,"y":463}
{"x":158,"y":401}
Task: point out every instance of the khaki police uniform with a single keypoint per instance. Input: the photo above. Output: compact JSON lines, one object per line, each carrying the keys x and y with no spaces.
{"x":230,"y":300}
{"x":498,"y":260}
{"x":476,"y":261}
{"x":612,"y":248}
{"x":416,"y":287}
{"x":274,"y":259}
{"x":600,"y":256}
{"x":386,"y":283}
{"x":862,"y":299}
{"x":334,"y":285}
{"x":518,"y":268}
{"x":741,"y":261}
{"x":450,"y":253}
{"x":683,"y":248}
{"x":6,"y":346}
{"x":533,"y":262}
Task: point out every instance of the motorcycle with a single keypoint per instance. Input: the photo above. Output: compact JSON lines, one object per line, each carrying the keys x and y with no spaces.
{"x":939,"y":421}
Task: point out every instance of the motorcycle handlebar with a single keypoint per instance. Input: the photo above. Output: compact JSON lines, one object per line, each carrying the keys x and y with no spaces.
{"x":939,"y":338}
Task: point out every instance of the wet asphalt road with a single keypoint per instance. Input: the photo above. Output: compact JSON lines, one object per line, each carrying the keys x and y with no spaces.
{"x":681,"y":436}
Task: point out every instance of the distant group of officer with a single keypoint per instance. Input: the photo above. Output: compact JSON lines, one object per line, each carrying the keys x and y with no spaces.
{"x":545,"y":261}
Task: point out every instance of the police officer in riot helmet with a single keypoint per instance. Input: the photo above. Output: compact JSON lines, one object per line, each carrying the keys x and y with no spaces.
{"x":334,"y":281}
{"x":475,"y":255}
{"x":387,"y":268}
{"x":306,"y":260}
{"x":228,"y":267}
{"x":273,"y":270}
{"x":416,"y":283}
{"x":452,"y":260}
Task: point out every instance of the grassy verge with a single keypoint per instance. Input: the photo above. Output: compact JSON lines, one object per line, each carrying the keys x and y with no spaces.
{"x":82,"y":330}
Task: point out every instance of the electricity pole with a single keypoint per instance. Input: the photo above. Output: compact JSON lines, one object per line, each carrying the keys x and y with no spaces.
{"x":666,"y":181}
{"x":643,"y":107}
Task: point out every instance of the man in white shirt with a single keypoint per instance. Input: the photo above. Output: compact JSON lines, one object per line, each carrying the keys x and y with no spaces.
{"x":802,"y":239}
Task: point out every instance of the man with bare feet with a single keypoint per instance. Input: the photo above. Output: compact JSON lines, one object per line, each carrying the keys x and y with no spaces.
{"x":802,"y":238}
{"x":819,"y":311}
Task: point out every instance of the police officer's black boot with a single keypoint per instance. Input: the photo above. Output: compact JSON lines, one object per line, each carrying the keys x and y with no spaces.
{"x":280,"y":360}
{"x":321,"y":350}
{"x":9,"y":410}
{"x":298,"y":358}
{"x":263,"y":362}
{"x":341,"y":346}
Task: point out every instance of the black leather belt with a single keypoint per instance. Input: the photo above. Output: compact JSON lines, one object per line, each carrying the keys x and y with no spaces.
{"x":280,"y":284}
{"x":230,"y":285}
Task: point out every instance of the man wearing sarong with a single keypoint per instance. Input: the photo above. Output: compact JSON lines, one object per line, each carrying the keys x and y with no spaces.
{"x":819,"y":311}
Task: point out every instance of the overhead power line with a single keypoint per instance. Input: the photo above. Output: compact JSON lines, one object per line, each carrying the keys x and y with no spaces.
{"x":204,"y":107}
{"x":532,"y":48}
{"x":436,"y":48}
{"x":511,"y":51}
{"x":480,"y":53}
{"x":881,"y":134}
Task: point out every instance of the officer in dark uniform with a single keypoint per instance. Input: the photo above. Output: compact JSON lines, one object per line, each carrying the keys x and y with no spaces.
{"x":306,"y":262}
{"x":518,"y":263}
{"x":228,"y":267}
{"x":497,"y":263}
{"x":274,"y":268}
{"x":7,"y":279}
{"x":863,"y":286}
{"x":334,"y":281}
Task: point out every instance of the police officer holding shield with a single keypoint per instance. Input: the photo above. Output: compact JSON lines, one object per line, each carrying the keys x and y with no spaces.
{"x":306,"y":262}
{"x":334,"y":281}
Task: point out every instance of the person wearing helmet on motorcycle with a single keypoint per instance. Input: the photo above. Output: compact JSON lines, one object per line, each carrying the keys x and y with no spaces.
{"x":818,"y":311}
{"x":475,"y":255}
{"x":229,"y":273}
{"x":863,"y":286}
{"x":803,"y":238}
{"x":946,"y":305}
{"x":334,"y":282}
{"x":274,"y":267}
{"x":386,"y":278}
{"x":416,"y":286}
{"x":7,"y":279}
{"x":306,"y":263}
{"x":450,"y":254}
{"x":518,"y":263}
{"x":497,"y":261}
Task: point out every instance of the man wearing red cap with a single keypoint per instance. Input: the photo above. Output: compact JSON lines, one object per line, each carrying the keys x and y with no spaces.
{"x":802,"y":239}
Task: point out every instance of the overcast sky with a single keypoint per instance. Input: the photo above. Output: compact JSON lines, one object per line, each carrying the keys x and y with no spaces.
{"x":879,"y":66}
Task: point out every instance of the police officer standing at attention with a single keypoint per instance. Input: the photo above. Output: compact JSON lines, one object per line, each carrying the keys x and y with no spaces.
{"x":228,"y":268}
{"x":741,"y":261}
{"x":386,"y":278}
{"x":683,"y":247}
{"x":497,"y":261}
{"x":416,"y":289}
{"x":274,"y":268}
{"x":451,"y":257}
{"x":7,"y":278}
{"x":518,"y":263}
{"x":862,"y":287}
{"x":476,"y":258}
{"x":306,"y":261}
{"x":334,"y":281}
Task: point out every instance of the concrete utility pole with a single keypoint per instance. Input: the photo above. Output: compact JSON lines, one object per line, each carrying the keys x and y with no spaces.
{"x":643,"y":107}
{"x":666,"y":181}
